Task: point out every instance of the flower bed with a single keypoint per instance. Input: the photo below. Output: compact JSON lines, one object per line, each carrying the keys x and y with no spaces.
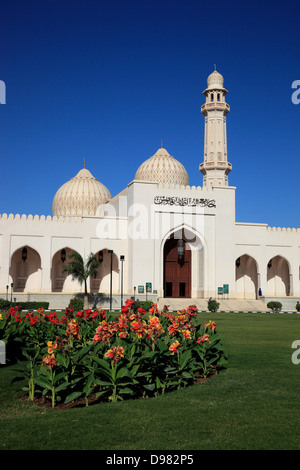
{"x":95,"y":354}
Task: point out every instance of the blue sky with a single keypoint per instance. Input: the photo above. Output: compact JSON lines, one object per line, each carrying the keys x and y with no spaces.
{"x":106,"y":80}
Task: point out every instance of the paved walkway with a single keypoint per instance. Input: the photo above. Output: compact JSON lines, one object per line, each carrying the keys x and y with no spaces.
{"x":225,"y":305}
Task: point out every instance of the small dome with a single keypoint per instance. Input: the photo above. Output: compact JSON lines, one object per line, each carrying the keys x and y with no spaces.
{"x":215,"y":80}
{"x":163,"y":168}
{"x":80,"y":196}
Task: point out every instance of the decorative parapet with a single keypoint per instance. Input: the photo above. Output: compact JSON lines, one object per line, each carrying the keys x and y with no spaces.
{"x":268,"y":228}
{"x":38,"y":218}
{"x":187,"y":188}
{"x":283,"y":229}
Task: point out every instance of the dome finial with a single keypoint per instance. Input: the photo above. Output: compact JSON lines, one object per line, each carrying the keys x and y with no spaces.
{"x":161,"y":144}
{"x":83,"y":162}
{"x":215,"y":67}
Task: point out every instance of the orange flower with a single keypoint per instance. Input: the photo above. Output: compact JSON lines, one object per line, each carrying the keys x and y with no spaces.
{"x":154,"y":328}
{"x":181,"y":318}
{"x":186,"y":334}
{"x":173,"y":329}
{"x":211,"y":325}
{"x":51,"y":347}
{"x":203,"y":339}
{"x":104,"y":332}
{"x":123,"y":334}
{"x":115,"y":354}
{"x":174,"y":347}
{"x":139,"y":327}
{"x":49,"y":361}
{"x":73,"y":329}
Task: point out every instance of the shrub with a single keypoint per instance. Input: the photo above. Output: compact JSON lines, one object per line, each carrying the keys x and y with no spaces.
{"x":4,"y":304}
{"x":213,"y":305}
{"x":145,"y":304}
{"x":298,"y":306}
{"x":34,"y":305}
{"x":76,"y":304}
{"x":274,"y":306}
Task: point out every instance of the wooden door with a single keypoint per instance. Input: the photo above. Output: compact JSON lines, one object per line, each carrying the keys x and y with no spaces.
{"x":177,"y":273}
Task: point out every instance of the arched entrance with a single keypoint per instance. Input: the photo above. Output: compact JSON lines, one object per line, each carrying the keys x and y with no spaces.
{"x":60,"y":281}
{"x":278,"y":277}
{"x":177,"y":268}
{"x":101,"y":283}
{"x":25,"y":270}
{"x":246,"y":277}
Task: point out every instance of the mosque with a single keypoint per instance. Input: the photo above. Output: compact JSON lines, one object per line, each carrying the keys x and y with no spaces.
{"x":158,"y":239}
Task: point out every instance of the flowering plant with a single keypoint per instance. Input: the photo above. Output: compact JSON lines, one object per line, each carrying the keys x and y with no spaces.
{"x":132,"y":354}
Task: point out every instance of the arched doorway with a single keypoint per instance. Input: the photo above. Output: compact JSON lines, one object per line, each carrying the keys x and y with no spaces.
{"x":60,"y":281}
{"x":246,"y":277}
{"x":177,"y":268}
{"x":101,"y":283}
{"x":278,"y":277}
{"x":25,"y":270}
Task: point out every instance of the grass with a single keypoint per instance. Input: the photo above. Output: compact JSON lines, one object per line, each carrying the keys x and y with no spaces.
{"x":253,"y":404}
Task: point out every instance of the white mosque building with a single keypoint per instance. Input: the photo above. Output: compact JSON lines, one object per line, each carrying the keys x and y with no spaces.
{"x":159,"y":238}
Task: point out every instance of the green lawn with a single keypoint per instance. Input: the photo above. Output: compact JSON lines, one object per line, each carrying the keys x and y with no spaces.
{"x":254,"y":404}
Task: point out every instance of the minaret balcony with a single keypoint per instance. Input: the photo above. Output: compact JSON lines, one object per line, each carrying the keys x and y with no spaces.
{"x":219,"y":165}
{"x":215,"y":105}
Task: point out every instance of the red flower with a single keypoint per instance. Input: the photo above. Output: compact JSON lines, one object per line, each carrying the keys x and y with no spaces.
{"x":173,"y":328}
{"x":203,"y":339}
{"x":211,"y":325}
{"x":115,"y":354}
{"x":103,"y":333}
{"x":139,"y":327}
{"x":49,"y":361}
{"x":73,"y":329}
{"x":174,"y":347}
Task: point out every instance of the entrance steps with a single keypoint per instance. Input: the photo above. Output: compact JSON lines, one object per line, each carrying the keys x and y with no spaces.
{"x":229,"y":305}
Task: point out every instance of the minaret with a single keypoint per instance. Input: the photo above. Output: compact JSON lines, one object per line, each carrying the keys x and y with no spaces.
{"x":215,"y":167}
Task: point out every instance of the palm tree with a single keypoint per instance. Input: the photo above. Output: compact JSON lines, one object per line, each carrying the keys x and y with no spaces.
{"x":82,"y":270}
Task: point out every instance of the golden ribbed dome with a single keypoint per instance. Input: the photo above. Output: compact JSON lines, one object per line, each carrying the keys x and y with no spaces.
{"x":80,"y":196}
{"x":163,"y":168}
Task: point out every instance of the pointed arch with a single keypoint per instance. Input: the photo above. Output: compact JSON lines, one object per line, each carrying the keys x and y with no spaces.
{"x":246,"y":277}
{"x":25,"y":269}
{"x":278,"y":276}
{"x":196,"y":245}
{"x":102,"y":282}
{"x":60,"y":281}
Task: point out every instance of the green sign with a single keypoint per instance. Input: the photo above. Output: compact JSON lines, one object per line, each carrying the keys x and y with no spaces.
{"x":148,"y":286}
{"x":226,"y":288}
{"x":220,"y":290}
{"x":140,"y":289}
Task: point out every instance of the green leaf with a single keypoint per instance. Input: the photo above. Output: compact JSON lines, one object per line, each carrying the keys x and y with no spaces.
{"x":60,"y":376}
{"x":101,"y":362}
{"x":78,"y":356}
{"x":42,"y":383}
{"x":62,"y":386}
{"x":73,"y":396}
{"x":162,"y":345}
{"x":125,"y":391}
{"x":184,"y":358}
{"x":134,"y":370}
{"x":88,"y":383}
{"x":123,"y":372}
{"x":103,"y":383}
{"x":149,"y":387}
{"x":102,"y":392}
{"x":187,"y":375}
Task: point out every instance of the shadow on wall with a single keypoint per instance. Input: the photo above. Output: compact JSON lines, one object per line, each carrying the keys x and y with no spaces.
{"x":97,"y":300}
